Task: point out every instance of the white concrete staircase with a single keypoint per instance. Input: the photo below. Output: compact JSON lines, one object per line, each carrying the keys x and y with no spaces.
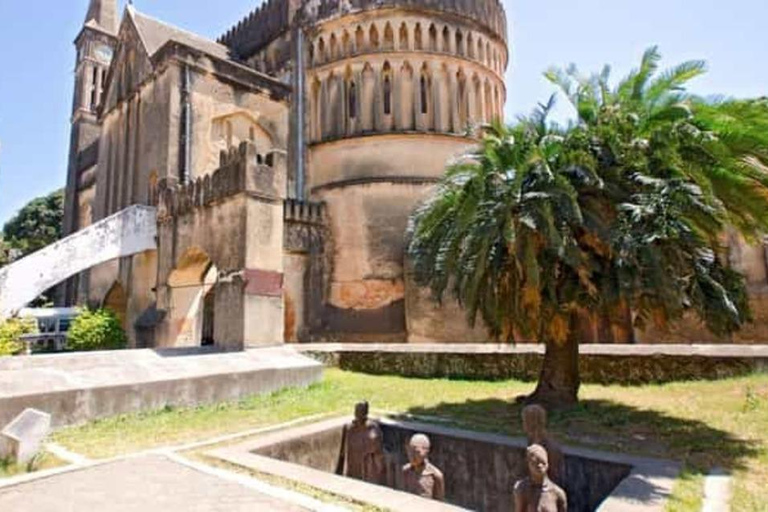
{"x":130,"y":231}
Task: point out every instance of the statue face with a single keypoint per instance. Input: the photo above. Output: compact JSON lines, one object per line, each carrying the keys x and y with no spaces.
{"x":418,"y":450}
{"x":537,"y":466}
{"x":361,"y":412}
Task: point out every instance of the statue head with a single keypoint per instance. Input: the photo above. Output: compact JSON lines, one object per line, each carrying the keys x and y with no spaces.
{"x":538,"y":462}
{"x":535,"y":422}
{"x":361,"y":412}
{"x":418,"y":449}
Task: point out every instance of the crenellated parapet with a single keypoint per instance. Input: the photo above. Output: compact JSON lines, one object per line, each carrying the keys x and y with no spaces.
{"x":305,"y":225}
{"x":275,"y":17}
{"x":488,"y":13}
{"x":257,"y":29}
{"x":242,"y":169}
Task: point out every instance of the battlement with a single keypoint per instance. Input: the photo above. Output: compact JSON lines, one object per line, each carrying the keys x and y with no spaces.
{"x":489,"y":13}
{"x":257,"y":29}
{"x":306,"y":212}
{"x":273,"y":17}
{"x":242,"y":170}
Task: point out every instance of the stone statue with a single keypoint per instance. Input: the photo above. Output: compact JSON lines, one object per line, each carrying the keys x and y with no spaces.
{"x":538,"y":493}
{"x":535,"y":428}
{"x":420,"y":477}
{"x":362,"y":449}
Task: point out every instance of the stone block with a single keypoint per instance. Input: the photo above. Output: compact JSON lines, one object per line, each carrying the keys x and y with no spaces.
{"x":22,"y":438}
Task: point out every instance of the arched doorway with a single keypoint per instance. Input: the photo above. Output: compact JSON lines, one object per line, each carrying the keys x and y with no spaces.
{"x":116,"y":301}
{"x":193,"y":296}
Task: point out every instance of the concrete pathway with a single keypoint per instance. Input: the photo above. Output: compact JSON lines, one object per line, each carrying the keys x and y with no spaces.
{"x":149,"y":483}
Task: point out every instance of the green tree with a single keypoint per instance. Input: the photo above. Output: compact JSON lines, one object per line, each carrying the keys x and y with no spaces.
{"x":10,"y":335}
{"x":96,"y":330}
{"x":545,"y":228}
{"x":37,"y":224}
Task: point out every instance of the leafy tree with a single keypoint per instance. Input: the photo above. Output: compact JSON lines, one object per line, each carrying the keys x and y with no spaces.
{"x":545,"y":228}
{"x":11,"y":332}
{"x":5,"y":257}
{"x":38,"y":224}
{"x":96,"y":330}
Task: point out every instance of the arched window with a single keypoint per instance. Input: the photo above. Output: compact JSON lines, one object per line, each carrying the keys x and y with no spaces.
{"x":387,"y":89}
{"x":359,"y":40}
{"x":352,"y":100}
{"x":334,"y":47}
{"x":345,"y":44}
{"x":459,"y":43}
{"x":432,"y":38}
{"x":321,"y":51}
{"x":403,"y":37}
{"x":446,"y":40}
{"x":424,"y":85}
{"x":418,"y":38}
{"x":470,"y":46}
{"x":373,"y":37}
{"x":389,"y":37}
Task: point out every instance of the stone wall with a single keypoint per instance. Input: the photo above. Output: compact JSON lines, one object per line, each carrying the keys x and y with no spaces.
{"x":600,"y":364}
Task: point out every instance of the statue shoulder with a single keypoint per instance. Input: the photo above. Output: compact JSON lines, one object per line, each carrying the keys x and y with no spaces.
{"x":435,"y":471}
{"x":521,"y":486}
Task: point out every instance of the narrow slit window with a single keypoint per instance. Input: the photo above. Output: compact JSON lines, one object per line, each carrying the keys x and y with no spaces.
{"x":387,"y":96}
{"x":352,"y":101}
{"x":424,"y":95}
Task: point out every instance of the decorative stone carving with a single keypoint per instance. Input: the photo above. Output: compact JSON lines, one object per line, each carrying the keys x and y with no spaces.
{"x":22,"y":438}
{"x":535,"y":428}
{"x":538,"y":493}
{"x":420,"y":476}
{"x":362,"y":450}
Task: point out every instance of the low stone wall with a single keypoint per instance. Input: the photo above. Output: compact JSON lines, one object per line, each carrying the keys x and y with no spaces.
{"x":76,"y":388}
{"x":601,"y":364}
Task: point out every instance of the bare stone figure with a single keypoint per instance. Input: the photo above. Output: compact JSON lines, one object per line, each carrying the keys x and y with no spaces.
{"x":362,"y":449}
{"x":538,"y":493}
{"x":535,"y":428}
{"x":420,"y":477}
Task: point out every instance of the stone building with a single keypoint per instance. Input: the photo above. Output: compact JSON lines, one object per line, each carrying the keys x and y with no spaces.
{"x":284,"y":160}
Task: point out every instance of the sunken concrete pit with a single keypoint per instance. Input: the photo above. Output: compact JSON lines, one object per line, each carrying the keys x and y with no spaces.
{"x":480,"y":469}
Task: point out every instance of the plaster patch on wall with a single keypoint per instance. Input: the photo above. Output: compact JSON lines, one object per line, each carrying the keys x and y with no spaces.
{"x":365,"y":295}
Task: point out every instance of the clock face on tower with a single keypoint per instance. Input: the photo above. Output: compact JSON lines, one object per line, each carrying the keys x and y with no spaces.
{"x":104,"y":53}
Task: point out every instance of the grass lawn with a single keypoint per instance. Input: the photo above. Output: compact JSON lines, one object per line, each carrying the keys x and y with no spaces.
{"x":703,"y":424}
{"x":43,"y":461}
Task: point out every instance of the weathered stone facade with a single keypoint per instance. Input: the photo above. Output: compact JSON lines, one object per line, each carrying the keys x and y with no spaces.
{"x":343,"y":114}
{"x":333,"y":119}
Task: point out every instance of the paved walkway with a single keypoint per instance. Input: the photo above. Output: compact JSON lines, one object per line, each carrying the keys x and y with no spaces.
{"x":151,"y":483}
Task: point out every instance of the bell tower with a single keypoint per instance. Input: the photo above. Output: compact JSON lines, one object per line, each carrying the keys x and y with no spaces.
{"x":95,"y":45}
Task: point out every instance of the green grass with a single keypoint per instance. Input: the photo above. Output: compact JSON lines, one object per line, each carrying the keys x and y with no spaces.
{"x":42,"y":461}
{"x":702,"y":424}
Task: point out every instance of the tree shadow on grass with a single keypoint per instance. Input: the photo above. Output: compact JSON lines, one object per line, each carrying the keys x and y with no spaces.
{"x":611,"y":426}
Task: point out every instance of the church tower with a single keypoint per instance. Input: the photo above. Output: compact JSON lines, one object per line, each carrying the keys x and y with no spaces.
{"x":95,"y":45}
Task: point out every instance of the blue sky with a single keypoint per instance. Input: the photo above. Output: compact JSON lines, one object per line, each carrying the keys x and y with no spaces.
{"x":37,"y":58}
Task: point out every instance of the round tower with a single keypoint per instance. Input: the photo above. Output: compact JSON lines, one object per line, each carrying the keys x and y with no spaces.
{"x":393,"y":90}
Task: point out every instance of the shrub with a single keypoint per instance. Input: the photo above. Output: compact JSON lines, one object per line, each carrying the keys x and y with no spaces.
{"x":96,"y":330}
{"x":11,"y":332}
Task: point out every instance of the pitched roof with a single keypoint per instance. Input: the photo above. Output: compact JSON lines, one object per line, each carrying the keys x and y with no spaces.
{"x":154,"y":34}
{"x":102,"y":14}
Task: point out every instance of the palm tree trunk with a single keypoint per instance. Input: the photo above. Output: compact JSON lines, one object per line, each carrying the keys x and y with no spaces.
{"x":559,"y":379}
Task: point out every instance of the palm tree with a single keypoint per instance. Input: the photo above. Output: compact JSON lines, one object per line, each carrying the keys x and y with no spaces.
{"x":544,"y":228}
